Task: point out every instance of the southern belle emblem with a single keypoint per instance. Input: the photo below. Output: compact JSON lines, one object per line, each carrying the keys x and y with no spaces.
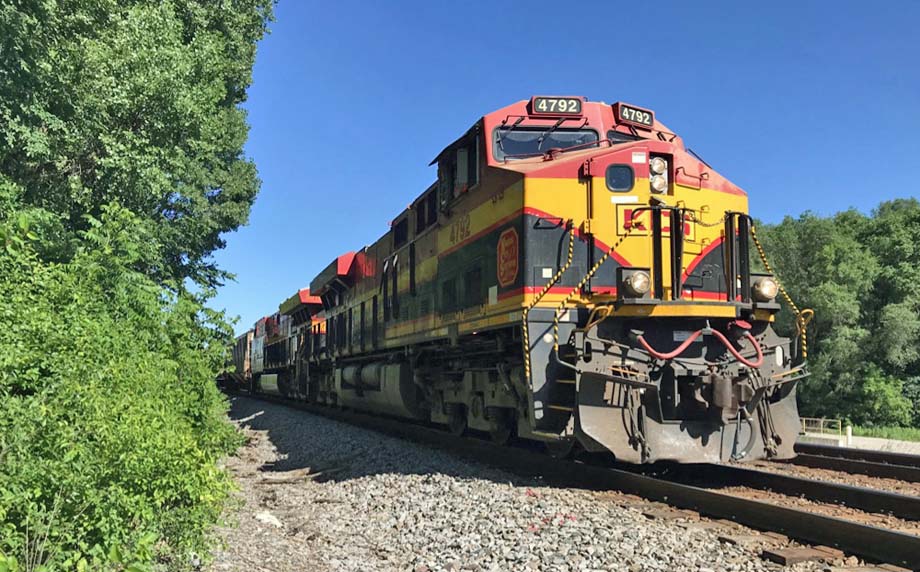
{"x":507,"y":257}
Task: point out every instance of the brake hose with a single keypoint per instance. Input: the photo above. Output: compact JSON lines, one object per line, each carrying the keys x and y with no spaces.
{"x":735,"y":454}
{"x":731,"y":348}
{"x":679,"y":350}
{"x":753,"y":364}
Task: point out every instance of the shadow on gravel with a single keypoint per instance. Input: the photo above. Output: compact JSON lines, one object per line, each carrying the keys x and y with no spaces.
{"x":314,"y":447}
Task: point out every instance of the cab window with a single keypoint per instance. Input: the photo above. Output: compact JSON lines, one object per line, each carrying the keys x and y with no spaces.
{"x":401,"y":233}
{"x":510,"y":143}
{"x":426,"y":211}
{"x":619,"y":137}
{"x":467,"y":166}
{"x":458,"y":170}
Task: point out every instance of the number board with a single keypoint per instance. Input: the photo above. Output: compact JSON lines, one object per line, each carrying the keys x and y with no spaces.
{"x":633,"y":115}
{"x":555,"y":105}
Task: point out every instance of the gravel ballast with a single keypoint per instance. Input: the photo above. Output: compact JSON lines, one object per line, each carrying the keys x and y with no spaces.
{"x":320,"y":495}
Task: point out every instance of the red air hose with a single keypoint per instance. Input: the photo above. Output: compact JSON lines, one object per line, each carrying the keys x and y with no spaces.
{"x":735,"y":353}
{"x":680,"y":349}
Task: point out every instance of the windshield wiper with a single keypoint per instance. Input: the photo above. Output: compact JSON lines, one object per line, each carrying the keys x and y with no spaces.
{"x":503,"y":133}
{"x":548,"y":131}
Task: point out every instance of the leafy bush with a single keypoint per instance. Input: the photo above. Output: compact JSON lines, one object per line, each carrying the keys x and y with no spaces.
{"x":111,"y":424}
{"x":121,"y":166}
{"x":859,"y":273}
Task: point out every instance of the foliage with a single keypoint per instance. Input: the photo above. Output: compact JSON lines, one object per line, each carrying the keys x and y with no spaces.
{"x":111,"y":425}
{"x":137,"y":102}
{"x":860,"y":274}
{"x":121,"y":165}
{"x":912,"y":393}
{"x":897,"y":433}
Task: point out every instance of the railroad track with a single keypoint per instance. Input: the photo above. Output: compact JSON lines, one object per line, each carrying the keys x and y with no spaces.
{"x":864,"y":499}
{"x":879,"y":464}
{"x":864,"y":540}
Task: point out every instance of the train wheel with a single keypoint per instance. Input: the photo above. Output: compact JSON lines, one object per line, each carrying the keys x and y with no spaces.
{"x":457,"y":420}
{"x":502,"y":420}
{"x":501,"y":436}
{"x":284,"y":388}
{"x":561,"y":449}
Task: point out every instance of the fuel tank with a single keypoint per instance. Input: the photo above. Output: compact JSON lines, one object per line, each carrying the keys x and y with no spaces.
{"x":380,"y":387}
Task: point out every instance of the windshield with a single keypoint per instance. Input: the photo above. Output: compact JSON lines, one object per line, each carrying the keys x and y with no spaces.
{"x":522,"y":142}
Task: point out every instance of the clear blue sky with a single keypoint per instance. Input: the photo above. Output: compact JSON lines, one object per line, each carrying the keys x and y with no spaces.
{"x":807,"y":105}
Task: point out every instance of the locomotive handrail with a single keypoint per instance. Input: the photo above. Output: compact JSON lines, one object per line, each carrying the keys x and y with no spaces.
{"x":525,"y":333}
{"x":580,"y":285}
{"x":677,"y":216}
{"x":737,"y":256}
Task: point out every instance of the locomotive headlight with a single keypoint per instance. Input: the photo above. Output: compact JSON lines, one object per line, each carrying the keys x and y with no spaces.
{"x":638,"y":283}
{"x":764,"y":289}
{"x":658,"y":165}
{"x":658,"y":183}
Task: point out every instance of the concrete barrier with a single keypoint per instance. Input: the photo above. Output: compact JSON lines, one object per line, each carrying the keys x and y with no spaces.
{"x":822,"y":439}
{"x":890,"y":445}
{"x":855,"y":442}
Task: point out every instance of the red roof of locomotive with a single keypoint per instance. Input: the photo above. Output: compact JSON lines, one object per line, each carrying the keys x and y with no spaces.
{"x":338,"y":269}
{"x":600,"y":116}
{"x":307,"y":298}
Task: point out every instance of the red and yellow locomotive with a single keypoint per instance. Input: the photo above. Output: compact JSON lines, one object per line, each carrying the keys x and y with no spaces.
{"x":574,"y":276}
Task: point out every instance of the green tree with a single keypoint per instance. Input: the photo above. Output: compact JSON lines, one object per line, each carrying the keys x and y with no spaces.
{"x":893,"y":309}
{"x":912,"y":393}
{"x":825,"y":267}
{"x":882,"y":400}
{"x":135,"y":102}
{"x":121,"y":165}
{"x":894,"y":305}
{"x":859,"y":274}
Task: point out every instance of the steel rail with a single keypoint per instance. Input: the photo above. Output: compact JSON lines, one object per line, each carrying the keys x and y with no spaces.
{"x":861,"y":498}
{"x":855,"y":467}
{"x":863,"y":540}
{"x":859,"y":454}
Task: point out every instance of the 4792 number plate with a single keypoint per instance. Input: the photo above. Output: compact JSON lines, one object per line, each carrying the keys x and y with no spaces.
{"x":555,"y":106}
{"x":634,"y":115}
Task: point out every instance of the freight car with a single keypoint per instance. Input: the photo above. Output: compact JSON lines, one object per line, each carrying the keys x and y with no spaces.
{"x":237,"y":372}
{"x":575,"y":276}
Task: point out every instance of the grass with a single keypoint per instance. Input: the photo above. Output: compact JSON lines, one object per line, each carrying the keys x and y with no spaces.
{"x":899,"y":433}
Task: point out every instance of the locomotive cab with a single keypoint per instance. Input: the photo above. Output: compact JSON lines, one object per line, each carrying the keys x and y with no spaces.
{"x":648,"y":334}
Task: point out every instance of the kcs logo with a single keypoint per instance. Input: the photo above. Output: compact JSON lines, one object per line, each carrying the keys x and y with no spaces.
{"x":508,"y":253}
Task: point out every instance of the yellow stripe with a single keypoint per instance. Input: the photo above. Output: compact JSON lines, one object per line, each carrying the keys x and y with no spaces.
{"x":676,"y":310}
